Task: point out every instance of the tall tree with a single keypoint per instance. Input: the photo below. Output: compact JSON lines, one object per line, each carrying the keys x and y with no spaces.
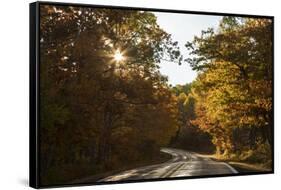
{"x":234,"y":86}
{"x":110,"y":111}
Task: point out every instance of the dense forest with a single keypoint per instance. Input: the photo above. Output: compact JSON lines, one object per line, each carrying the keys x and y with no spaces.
{"x":105,"y":106}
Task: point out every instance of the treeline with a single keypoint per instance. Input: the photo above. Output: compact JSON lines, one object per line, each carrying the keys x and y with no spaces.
{"x":233,"y":90}
{"x":99,"y":114}
{"x":189,"y":136}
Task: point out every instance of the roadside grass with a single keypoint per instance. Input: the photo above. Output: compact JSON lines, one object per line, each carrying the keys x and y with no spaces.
{"x":247,"y":161}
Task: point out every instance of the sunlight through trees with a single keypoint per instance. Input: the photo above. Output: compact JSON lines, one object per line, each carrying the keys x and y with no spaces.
{"x":105,"y":106}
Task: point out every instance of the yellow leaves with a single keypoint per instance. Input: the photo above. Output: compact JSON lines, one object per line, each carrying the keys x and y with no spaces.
{"x":264,"y":103}
{"x":182,"y":97}
{"x":257,"y":23}
{"x":234,"y":85}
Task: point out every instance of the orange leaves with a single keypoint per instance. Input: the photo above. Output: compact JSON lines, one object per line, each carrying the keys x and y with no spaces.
{"x":234,"y":86}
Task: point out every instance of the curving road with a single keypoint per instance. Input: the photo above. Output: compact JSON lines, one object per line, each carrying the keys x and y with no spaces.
{"x":183,"y":163}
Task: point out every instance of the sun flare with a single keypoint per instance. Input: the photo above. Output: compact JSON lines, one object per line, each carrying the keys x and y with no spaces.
{"x":118,"y":56}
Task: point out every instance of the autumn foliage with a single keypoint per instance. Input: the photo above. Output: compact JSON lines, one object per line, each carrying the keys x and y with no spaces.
{"x":100,"y":115}
{"x":233,"y":90}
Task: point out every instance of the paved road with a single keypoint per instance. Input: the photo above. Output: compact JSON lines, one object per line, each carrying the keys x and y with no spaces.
{"x":183,"y":163}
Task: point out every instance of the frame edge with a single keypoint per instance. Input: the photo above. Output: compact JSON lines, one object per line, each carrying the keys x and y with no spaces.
{"x":33,"y":61}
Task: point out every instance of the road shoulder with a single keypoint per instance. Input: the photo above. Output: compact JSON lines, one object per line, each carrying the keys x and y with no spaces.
{"x":241,"y":167}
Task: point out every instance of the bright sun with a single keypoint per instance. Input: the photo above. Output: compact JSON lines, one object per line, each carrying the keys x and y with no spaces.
{"x":118,"y":56}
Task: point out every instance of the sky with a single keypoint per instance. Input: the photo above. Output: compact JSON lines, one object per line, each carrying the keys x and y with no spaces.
{"x":183,"y":28}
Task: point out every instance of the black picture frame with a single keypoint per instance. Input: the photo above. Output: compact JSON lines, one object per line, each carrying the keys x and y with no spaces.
{"x":34,"y":92}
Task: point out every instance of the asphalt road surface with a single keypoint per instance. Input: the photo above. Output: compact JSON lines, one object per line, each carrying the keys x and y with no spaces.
{"x":183,"y":163}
